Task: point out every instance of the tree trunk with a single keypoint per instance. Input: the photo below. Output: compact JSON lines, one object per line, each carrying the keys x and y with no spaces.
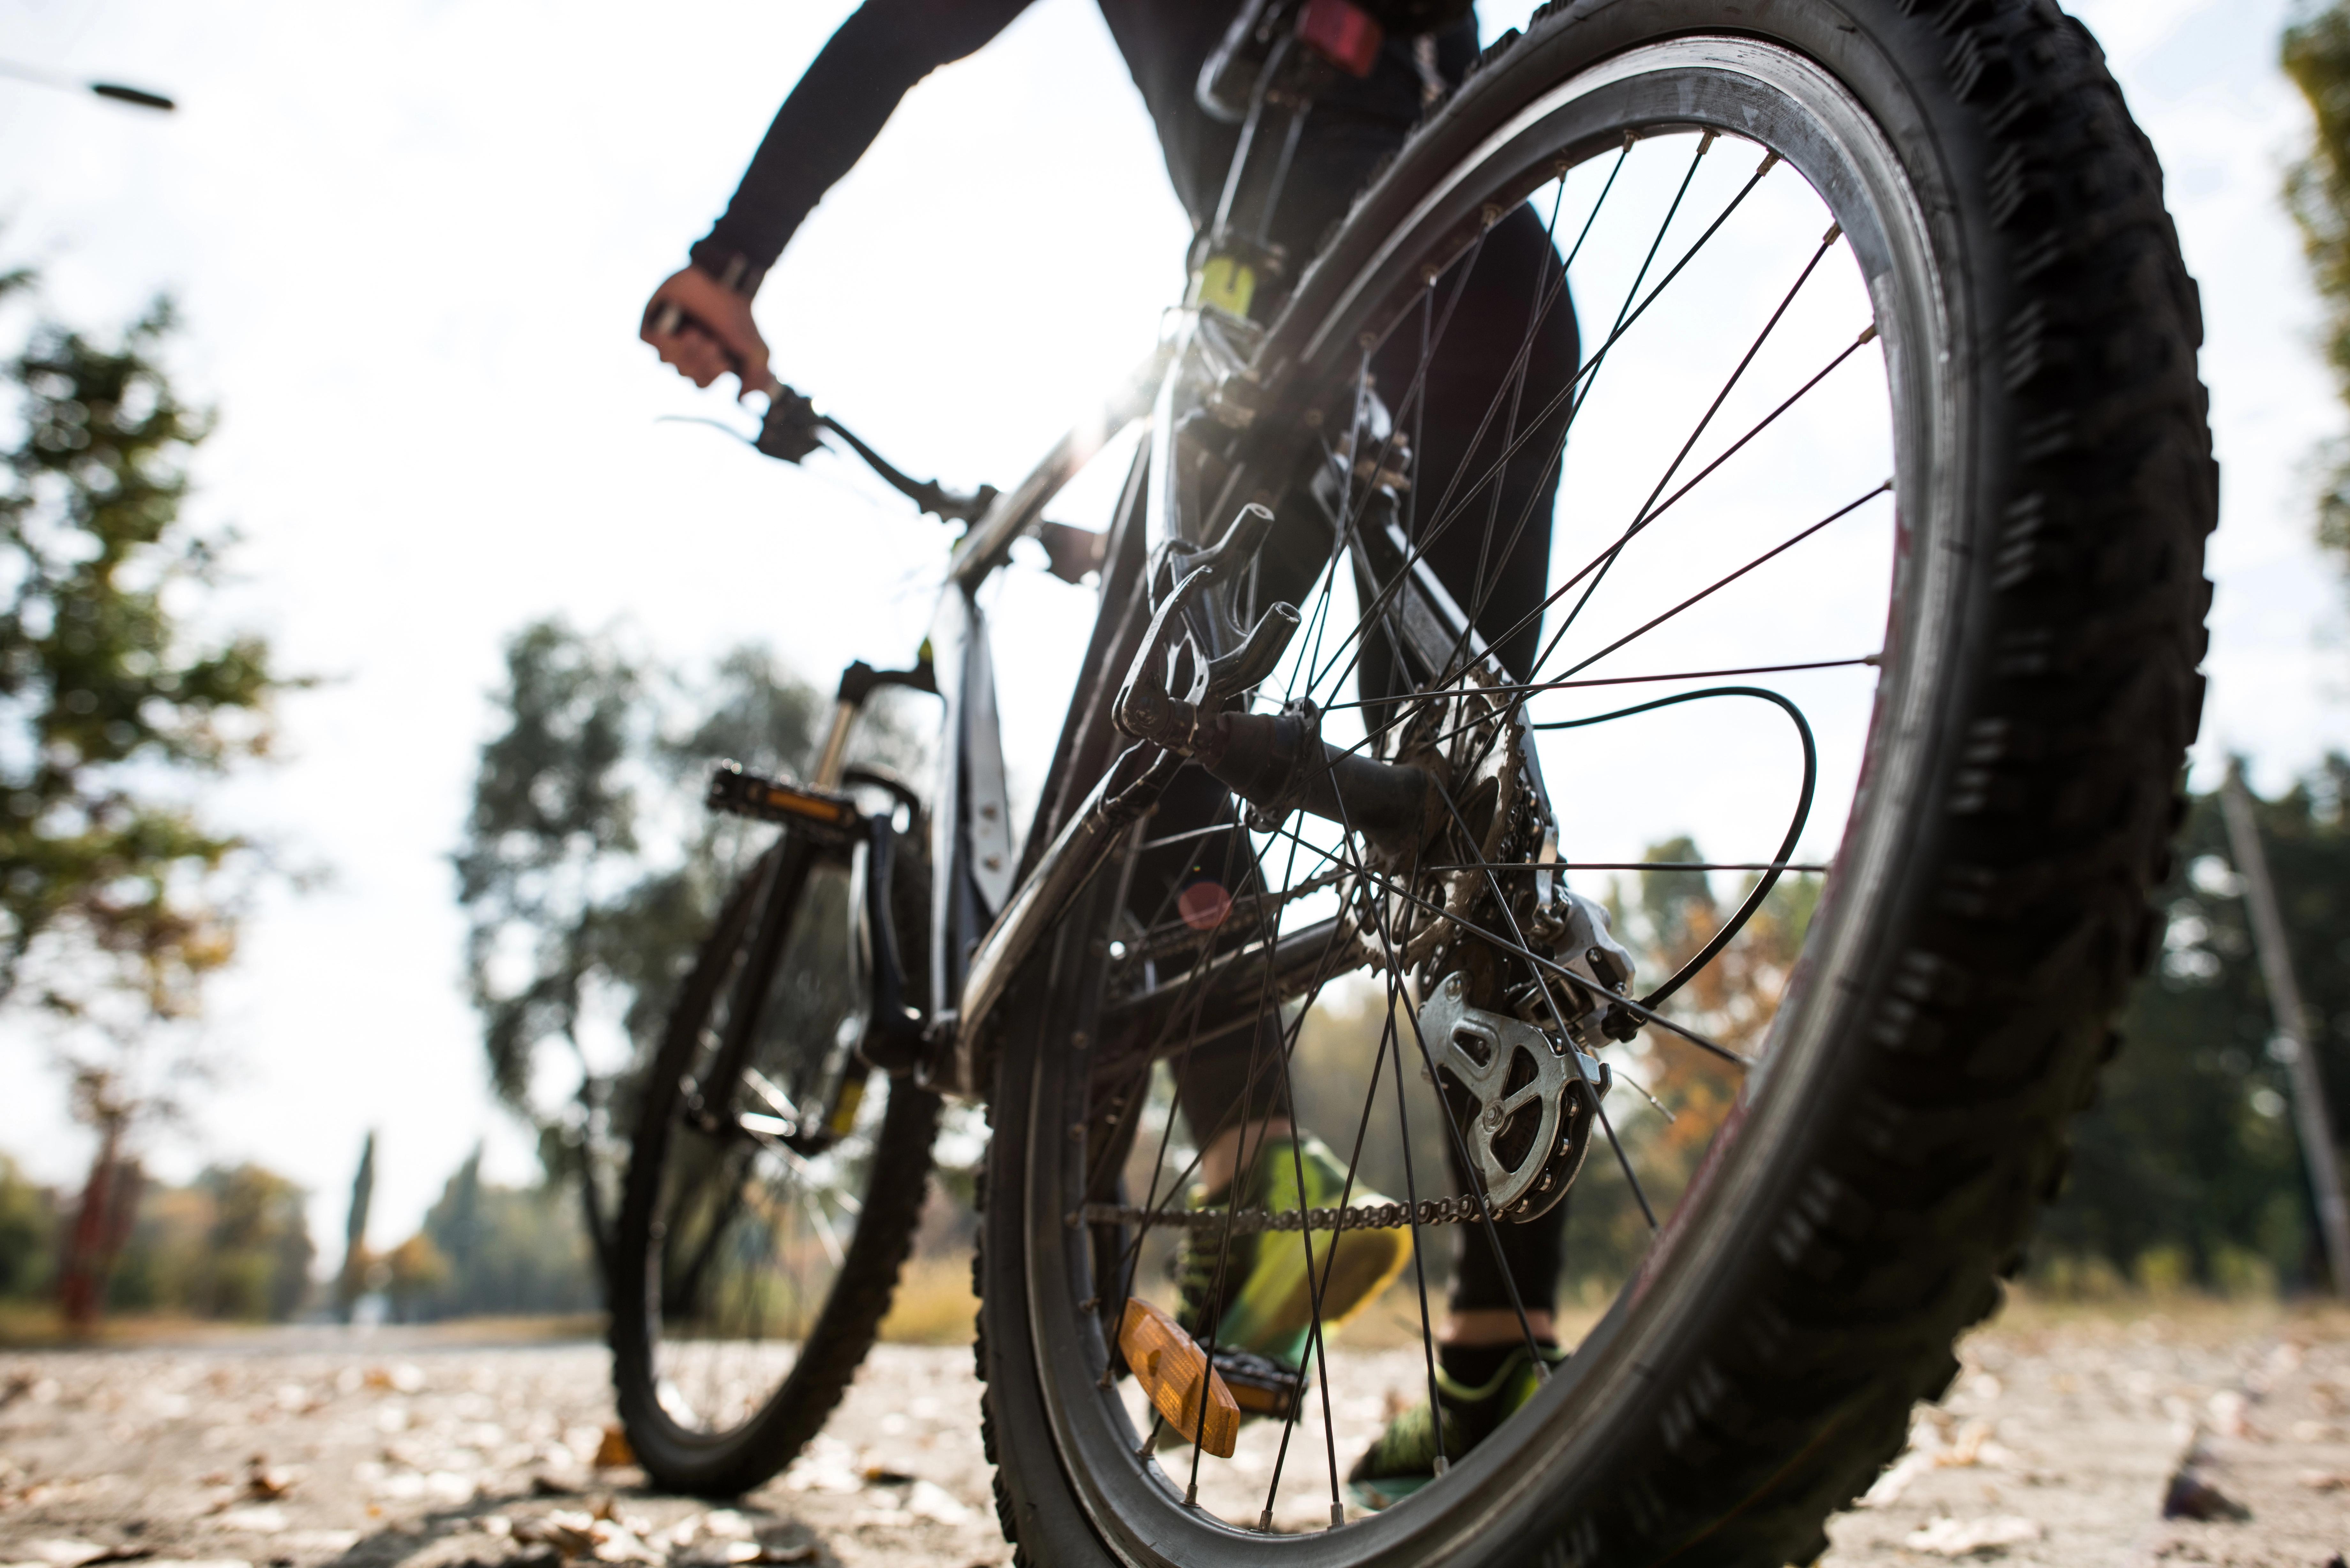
{"x":109,"y":1200}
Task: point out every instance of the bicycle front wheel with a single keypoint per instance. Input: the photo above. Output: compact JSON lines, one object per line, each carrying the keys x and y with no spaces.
{"x":774,"y":1187}
{"x":1883,"y":417}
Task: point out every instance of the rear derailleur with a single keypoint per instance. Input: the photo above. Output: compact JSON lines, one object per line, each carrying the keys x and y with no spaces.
{"x":1511,"y":1048}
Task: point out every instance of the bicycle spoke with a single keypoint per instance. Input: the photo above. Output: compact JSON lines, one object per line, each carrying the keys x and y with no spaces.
{"x":1411,"y":1197}
{"x":1586,"y":379}
{"x":1243,"y":1163}
{"x":1716,"y":586}
{"x":1415,"y":396}
{"x":1476,"y":1178}
{"x":1567,"y":397}
{"x":1640,"y":524}
{"x":1532,"y":687}
{"x":1205,"y":1137}
{"x":1648,"y":509}
{"x":1636,"y":865}
{"x":1521,"y":949}
{"x":1590,"y":1095}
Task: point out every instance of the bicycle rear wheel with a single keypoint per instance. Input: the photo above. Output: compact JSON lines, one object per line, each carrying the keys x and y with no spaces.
{"x":1890,"y":424}
{"x":774,"y":1187}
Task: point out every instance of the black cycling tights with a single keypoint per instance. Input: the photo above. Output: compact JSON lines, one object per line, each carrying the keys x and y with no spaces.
{"x":1215,"y":1083}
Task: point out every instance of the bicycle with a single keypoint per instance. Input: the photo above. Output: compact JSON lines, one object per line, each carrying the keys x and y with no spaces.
{"x":1948,"y":192}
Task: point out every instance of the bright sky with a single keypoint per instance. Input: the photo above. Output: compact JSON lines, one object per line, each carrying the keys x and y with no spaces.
{"x":410,"y":241}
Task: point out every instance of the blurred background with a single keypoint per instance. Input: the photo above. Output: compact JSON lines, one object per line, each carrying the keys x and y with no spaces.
{"x":368,"y":618}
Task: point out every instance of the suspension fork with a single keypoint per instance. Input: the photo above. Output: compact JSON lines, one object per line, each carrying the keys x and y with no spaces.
{"x":789,"y":866}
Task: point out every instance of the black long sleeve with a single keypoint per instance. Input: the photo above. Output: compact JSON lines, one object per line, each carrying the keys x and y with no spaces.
{"x":835,"y":111}
{"x":888,"y":46}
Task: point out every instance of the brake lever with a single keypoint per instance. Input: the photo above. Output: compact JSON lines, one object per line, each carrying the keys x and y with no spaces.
{"x":792,"y":428}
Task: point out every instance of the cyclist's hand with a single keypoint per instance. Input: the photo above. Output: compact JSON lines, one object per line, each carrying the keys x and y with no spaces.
{"x":713,"y":333}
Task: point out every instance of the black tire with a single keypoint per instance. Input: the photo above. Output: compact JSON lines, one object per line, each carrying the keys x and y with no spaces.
{"x":740,"y":1455}
{"x":2038,"y":691}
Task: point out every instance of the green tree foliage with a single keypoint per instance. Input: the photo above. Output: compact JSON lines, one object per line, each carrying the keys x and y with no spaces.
{"x":487,"y":1249}
{"x":351,"y":1279}
{"x":590,"y":872}
{"x":29,"y":1235}
{"x":234,"y":1244}
{"x":116,"y":706}
{"x":111,"y":704}
{"x":2316,"y":55}
{"x":2190,"y":1158}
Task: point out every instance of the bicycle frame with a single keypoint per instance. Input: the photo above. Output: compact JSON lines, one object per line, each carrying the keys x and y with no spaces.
{"x":986,"y":917}
{"x":981,"y":923}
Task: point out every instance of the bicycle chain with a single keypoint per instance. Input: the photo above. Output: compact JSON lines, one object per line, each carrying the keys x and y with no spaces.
{"x":1459,"y":1211}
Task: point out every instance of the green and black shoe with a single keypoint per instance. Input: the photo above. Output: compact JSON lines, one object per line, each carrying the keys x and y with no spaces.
{"x":1264,"y":1312}
{"x":1403,"y":1458}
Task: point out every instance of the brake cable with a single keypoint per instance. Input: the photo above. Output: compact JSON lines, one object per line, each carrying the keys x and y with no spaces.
{"x":1761,"y":891}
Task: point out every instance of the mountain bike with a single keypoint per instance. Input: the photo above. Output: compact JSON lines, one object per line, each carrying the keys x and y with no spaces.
{"x":1883,"y":476}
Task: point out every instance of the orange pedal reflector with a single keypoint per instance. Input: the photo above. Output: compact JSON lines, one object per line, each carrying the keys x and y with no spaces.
{"x":1172,"y":1371}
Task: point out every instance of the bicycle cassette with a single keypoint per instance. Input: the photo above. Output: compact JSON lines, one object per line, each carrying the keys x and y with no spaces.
{"x":1471,"y":741}
{"x":1530,"y":1101}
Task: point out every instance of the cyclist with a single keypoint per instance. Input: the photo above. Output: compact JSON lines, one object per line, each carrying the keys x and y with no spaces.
{"x":1255,"y":1297}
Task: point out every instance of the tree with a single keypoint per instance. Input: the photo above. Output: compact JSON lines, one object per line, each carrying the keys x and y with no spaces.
{"x":590,"y":872}
{"x":2316,"y":55}
{"x":258,"y":1251}
{"x":351,"y":1279}
{"x":488,"y":1249}
{"x":109,"y":1198}
{"x":29,"y":1227}
{"x":2186,"y":1166}
{"x":233,"y":1243}
{"x":416,"y":1269}
{"x":115,"y":706}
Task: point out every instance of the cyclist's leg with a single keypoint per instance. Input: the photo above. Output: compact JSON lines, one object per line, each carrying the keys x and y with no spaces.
{"x":1247,"y":1292}
{"x":1229,"y":1087}
{"x":1489,"y":544}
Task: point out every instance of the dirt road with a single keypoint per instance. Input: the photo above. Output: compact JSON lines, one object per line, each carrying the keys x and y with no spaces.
{"x":306,"y":1449}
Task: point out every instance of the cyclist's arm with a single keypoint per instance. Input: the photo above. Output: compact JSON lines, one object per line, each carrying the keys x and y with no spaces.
{"x":824,"y":127}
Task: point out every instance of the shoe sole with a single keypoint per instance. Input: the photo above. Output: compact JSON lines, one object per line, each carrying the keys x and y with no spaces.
{"x":1365,"y":1263}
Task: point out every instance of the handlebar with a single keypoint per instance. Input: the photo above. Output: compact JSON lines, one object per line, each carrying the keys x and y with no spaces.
{"x":793,"y":428}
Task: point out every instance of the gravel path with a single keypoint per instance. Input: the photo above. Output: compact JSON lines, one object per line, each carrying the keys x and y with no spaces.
{"x":306,"y":1449}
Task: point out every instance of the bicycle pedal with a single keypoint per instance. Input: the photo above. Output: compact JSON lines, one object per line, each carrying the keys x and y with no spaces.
{"x":1260,"y":1384}
{"x":1173,"y":1372}
{"x":739,"y":792}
